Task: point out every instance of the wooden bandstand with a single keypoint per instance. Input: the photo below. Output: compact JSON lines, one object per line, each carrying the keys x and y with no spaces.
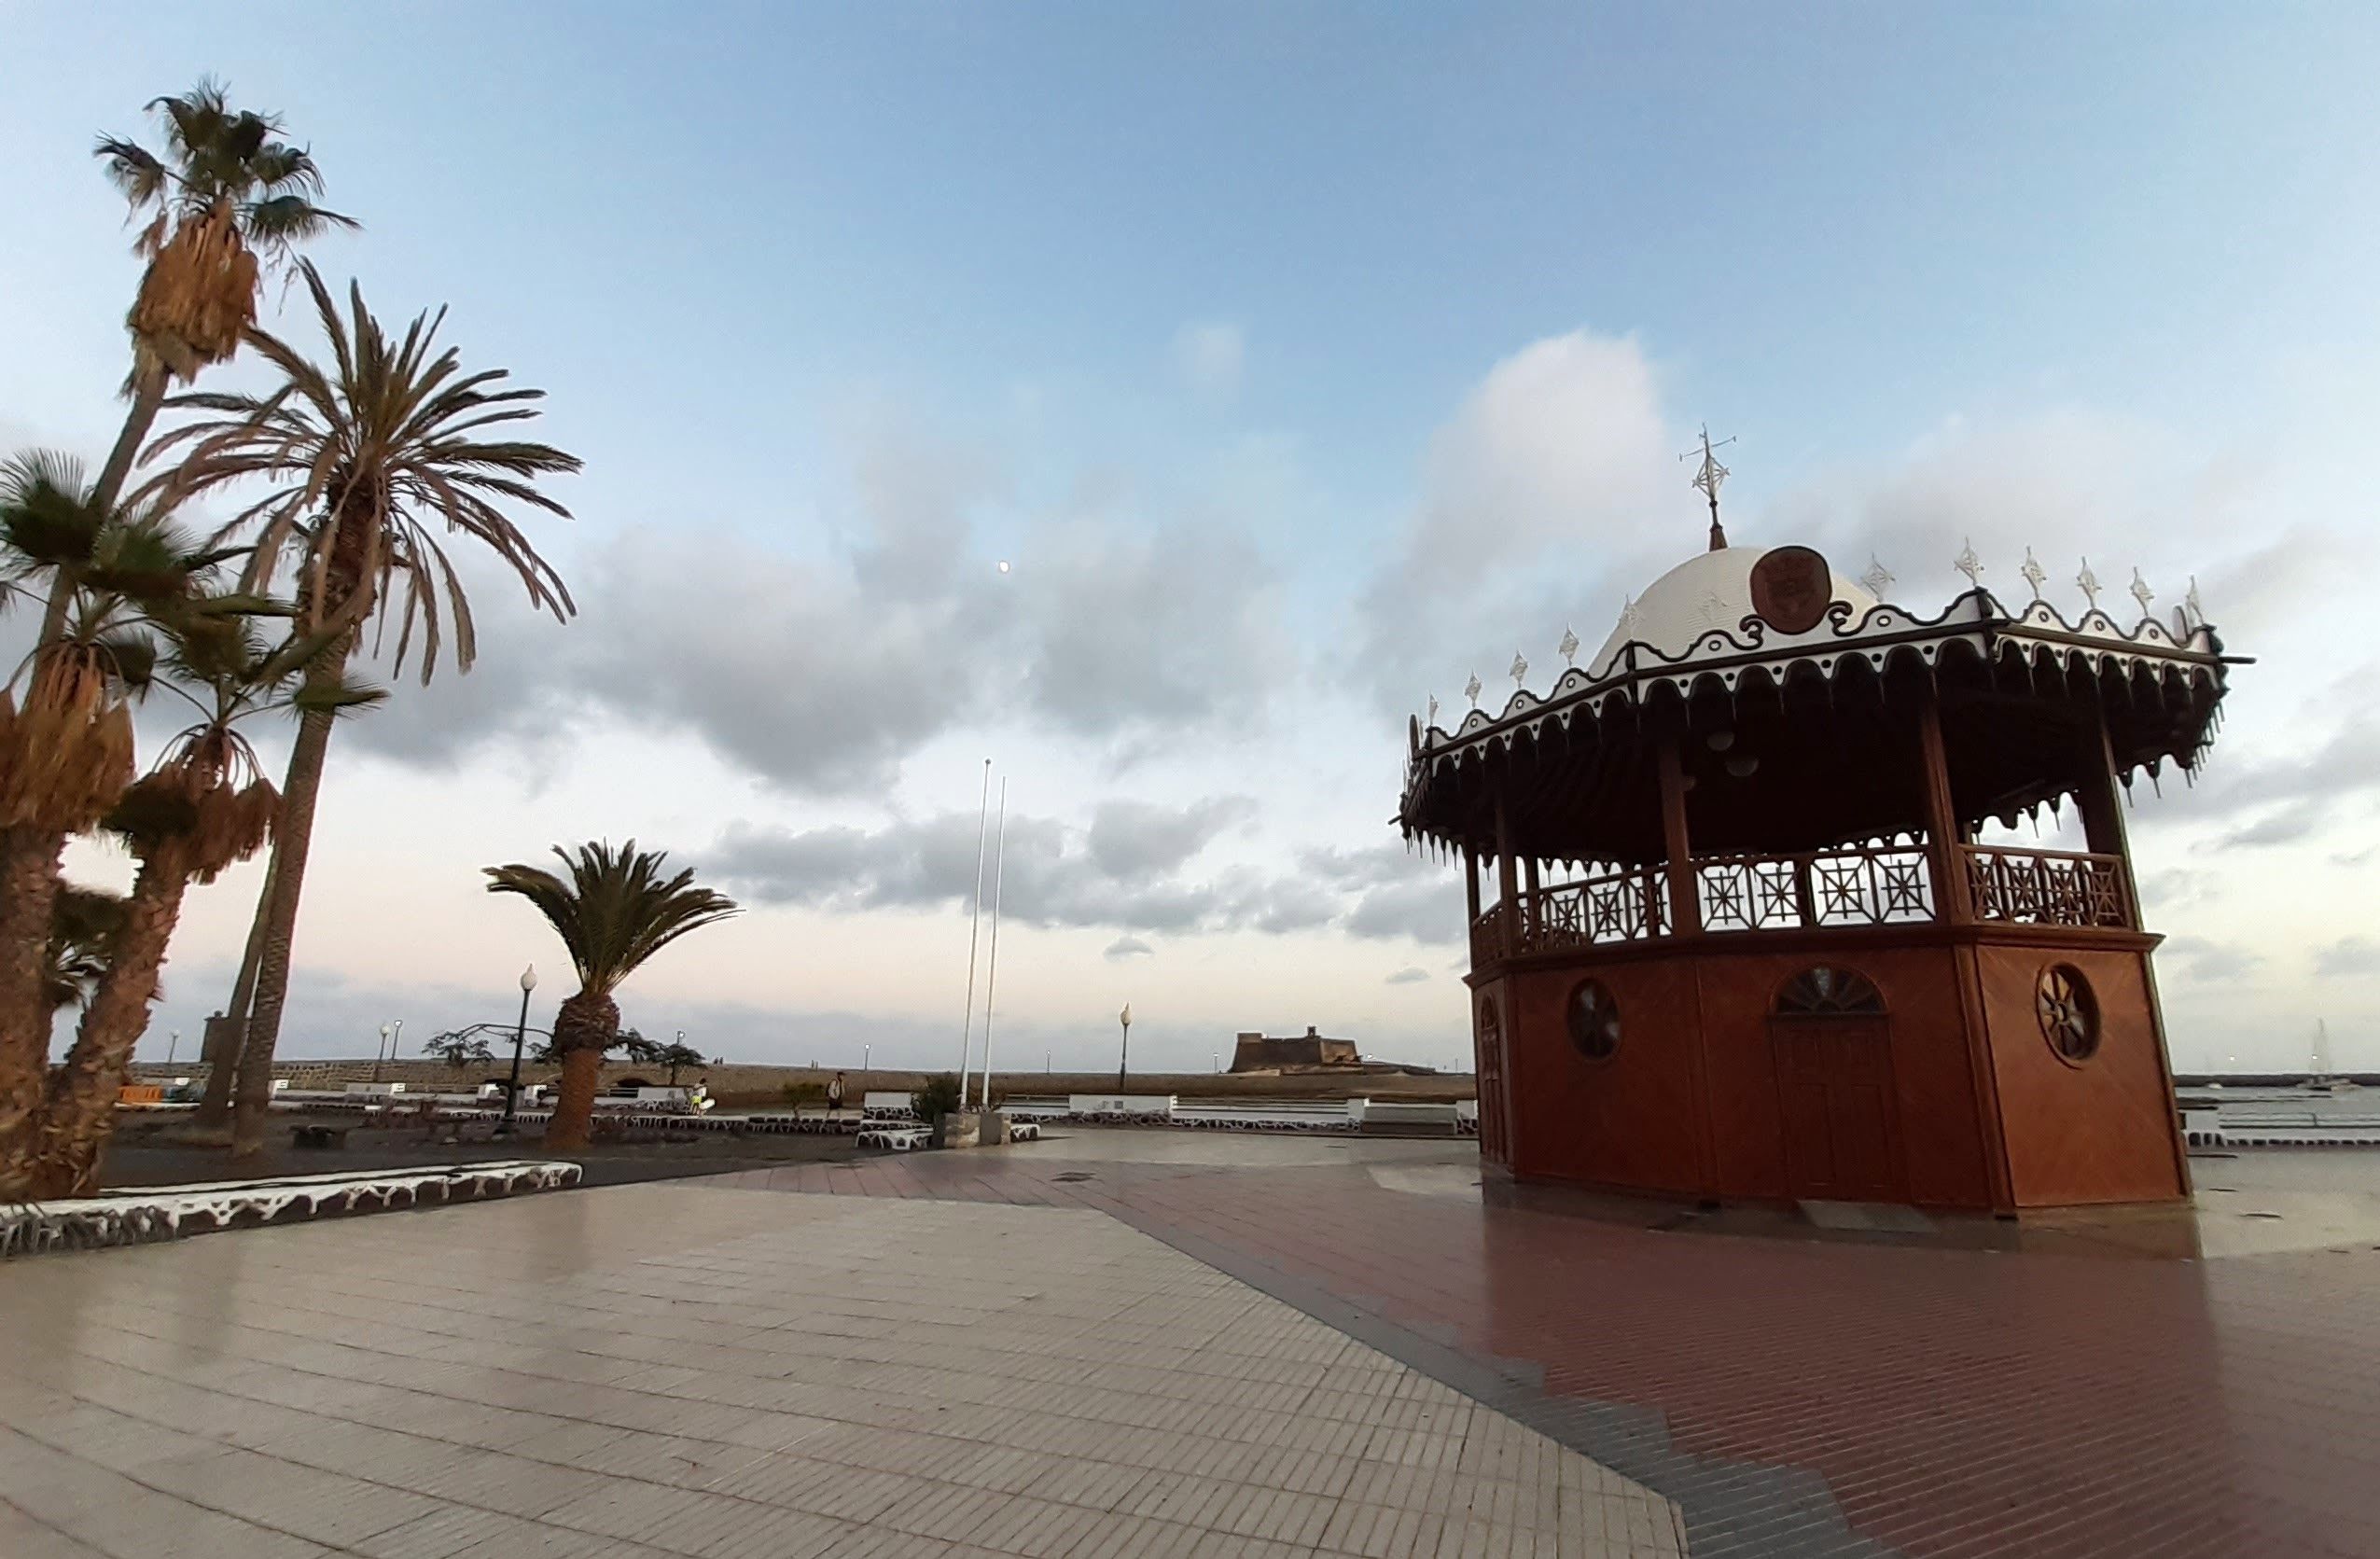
{"x":1735,"y":931}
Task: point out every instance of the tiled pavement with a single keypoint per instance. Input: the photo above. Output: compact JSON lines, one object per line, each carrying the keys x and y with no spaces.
{"x":1793,"y":1398}
{"x":697,"y":1371}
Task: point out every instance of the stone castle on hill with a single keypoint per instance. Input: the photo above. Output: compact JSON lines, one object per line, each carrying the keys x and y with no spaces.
{"x":1310,"y":1053}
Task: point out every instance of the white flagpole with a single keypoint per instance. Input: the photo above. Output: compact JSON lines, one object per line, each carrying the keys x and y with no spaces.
{"x":974,"y":925}
{"x":992,"y":966}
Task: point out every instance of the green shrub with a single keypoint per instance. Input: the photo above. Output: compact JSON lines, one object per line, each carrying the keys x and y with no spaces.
{"x":799,"y":1093}
{"x":938,"y":1098}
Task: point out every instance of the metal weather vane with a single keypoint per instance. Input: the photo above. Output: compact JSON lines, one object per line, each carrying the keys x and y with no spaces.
{"x":1708,"y":476}
{"x":2035,"y":575}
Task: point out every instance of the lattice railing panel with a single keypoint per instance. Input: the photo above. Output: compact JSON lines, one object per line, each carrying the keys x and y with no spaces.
{"x":1886,"y":885}
{"x":2045,"y":887}
{"x":1625,"y":907}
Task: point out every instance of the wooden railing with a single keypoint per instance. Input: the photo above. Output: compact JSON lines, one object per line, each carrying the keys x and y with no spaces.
{"x":1624,"y":907}
{"x":1487,"y":938}
{"x":1886,"y":885}
{"x":2045,"y":887}
{"x":1878,"y":886}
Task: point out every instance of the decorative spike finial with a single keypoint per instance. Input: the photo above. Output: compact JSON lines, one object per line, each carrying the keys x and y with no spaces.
{"x":1877,"y":579}
{"x":1966,"y":563}
{"x":2196,"y":615}
{"x":1519,"y":671}
{"x":1708,"y":476}
{"x":2035,"y":575}
{"x":1569,"y":646}
{"x":2088,"y":583}
{"x":1432,"y":720}
{"x":1471,"y":689}
{"x":2141,"y":593}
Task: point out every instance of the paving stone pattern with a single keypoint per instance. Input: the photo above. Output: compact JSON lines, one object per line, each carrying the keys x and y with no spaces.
{"x":1793,"y":1398}
{"x":700,"y":1371}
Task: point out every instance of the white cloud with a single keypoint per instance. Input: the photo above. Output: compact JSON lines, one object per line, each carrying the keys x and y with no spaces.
{"x":1542,"y":495}
{"x":1209,"y":355}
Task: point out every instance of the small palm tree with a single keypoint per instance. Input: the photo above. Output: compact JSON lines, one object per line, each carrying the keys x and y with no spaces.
{"x":614,"y":912}
{"x":204,"y":807}
{"x":65,"y":723}
{"x":225,"y":201}
{"x":677,"y":1056}
{"x":459,"y":1050}
{"x":369,"y":461}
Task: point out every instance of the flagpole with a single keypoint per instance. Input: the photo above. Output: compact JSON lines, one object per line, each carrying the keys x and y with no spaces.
{"x":992,"y":964}
{"x":974,"y":925}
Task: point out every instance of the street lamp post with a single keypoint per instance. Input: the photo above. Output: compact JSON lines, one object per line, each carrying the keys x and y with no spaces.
{"x":172,"y":1043}
{"x":376,"y":1051}
{"x":520,"y":1037}
{"x":1124,"y":1056}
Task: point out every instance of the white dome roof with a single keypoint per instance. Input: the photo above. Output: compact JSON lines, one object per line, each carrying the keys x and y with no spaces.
{"x":1710,"y":590}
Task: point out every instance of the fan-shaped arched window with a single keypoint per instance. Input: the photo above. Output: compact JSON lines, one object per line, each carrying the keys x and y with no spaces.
{"x":1830,"y":991}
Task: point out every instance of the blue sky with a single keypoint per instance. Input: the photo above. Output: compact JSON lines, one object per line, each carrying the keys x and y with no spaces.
{"x":1219,"y":321}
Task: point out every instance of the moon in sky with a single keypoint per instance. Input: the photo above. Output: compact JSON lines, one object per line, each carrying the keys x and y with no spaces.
{"x":1004,"y":566}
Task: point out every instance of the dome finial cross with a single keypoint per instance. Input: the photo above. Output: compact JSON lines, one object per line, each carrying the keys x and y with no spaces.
{"x":1708,"y":476}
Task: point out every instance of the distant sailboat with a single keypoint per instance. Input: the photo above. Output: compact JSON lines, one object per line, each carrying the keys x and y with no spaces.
{"x":2320,"y":1078}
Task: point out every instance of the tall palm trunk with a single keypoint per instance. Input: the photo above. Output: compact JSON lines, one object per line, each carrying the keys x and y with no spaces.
{"x":149,"y":385}
{"x":80,"y":1107}
{"x":223,"y":1067}
{"x":29,"y":860}
{"x":285,"y":883}
{"x":583,"y":1030}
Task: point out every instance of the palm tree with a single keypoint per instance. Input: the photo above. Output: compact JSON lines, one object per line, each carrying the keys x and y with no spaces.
{"x":366,"y":460}
{"x":225,"y":201}
{"x":458,"y":1050}
{"x":614,"y":912}
{"x":677,"y":1056}
{"x":65,"y":725}
{"x":84,"y":924}
{"x":203,"y":808}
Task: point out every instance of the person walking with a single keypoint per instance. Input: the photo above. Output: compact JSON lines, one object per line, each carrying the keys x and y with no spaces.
{"x":834,"y":1094}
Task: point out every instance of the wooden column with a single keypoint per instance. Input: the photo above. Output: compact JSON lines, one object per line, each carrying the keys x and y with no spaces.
{"x":1471,"y":887}
{"x":1506,"y":882}
{"x":2095,"y":796}
{"x":1685,"y":897}
{"x":1943,"y":859}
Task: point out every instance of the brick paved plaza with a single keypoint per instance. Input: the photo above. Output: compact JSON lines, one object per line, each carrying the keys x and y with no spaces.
{"x":1118,"y":1343}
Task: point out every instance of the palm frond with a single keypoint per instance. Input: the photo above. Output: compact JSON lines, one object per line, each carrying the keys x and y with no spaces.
{"x":616,"y":910}
{"x":133,"y":170}
{"x":46,"y":518}
{"x":364,"y":452}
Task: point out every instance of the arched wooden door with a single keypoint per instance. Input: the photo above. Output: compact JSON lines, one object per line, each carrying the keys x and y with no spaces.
{"x":1495,"y":1126}
{"x":1832,"y":1042}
